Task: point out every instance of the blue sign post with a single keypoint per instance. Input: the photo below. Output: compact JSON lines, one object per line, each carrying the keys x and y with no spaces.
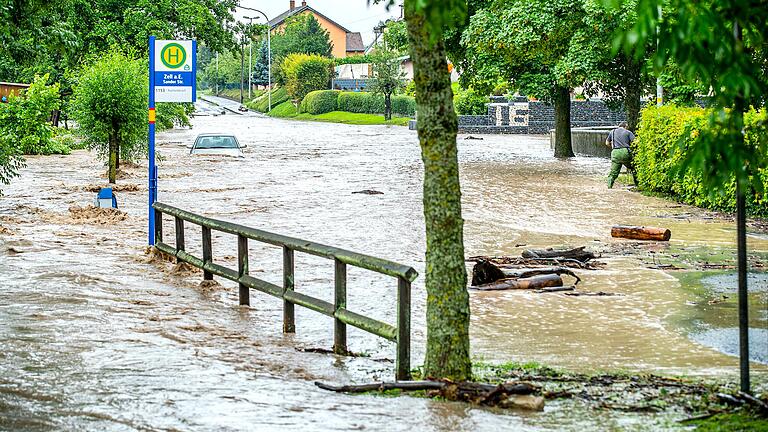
{"x":172,"y":78}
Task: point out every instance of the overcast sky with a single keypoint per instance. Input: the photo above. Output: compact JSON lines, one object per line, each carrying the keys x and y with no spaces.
{"x":355,"y":15}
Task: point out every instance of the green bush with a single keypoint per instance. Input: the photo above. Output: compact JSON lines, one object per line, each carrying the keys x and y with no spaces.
{"x":25,"y":118}
{"x":306,"y":73}
{"x":284,"y":110}
{"x":261,"y":103}
{"x":320,"y":102}
{"x":470,"y":102}
{"x":404,"y":105}
{"x":665,"y":137}
{"x":369,"y":103}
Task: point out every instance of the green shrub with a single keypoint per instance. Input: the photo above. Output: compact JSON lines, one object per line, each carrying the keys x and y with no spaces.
{"x":306,"y":73}
{"x":261,"y":103}
{"x":666,"y":135}
{"x":25,"y":118}
{"x":320,"y":102}
{"x":369,"y":103}
{"x":470,"y":102}
{"x":285,"y":110}
{"x":404,"y":105}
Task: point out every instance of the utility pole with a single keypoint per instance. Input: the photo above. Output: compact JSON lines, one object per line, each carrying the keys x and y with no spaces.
{"x":242,"y":68}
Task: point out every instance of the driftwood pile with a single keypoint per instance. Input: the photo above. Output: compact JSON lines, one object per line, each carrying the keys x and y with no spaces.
{"x":542,"y":270}
{"x":509,"y":395}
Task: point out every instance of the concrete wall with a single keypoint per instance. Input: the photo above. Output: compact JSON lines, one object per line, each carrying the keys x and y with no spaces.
{"x":587,"y":141}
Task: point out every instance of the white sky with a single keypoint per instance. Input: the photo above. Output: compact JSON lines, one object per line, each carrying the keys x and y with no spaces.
{"x":355,"y":15}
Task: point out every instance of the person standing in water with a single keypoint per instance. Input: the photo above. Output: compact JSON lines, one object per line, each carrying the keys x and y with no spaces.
{"x":620,"y":140}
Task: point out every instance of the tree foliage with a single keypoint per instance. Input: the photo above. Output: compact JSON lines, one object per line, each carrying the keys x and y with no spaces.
{"x":302,"y":34}
{"x":395,"y":36}
{"x":25,"y":118}
{"x":701,"y":38}
{"x":110,"y":105}
{"x":305,"y":73}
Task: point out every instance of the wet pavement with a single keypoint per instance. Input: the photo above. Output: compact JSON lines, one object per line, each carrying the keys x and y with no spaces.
{"x":97,"y":335}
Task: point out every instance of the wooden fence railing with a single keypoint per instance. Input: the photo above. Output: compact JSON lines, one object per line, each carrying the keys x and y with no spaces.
{"x":400,"y":334}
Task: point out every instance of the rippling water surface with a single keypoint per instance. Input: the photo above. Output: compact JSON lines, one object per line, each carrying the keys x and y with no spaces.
{"x":97,"y":335}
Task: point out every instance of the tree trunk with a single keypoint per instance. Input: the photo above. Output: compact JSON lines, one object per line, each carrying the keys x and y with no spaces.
{"x":112,"y":174}
{"x":563,"y":147}
{"x":446,"y":276}
{"x":632,"y":93}
{"x":641,"y":233}
{"x":388,"y":106}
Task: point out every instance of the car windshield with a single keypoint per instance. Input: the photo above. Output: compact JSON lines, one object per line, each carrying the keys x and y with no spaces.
{"x":216,"y":142}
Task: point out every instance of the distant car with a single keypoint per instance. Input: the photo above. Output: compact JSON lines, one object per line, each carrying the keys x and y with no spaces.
{"x":242,"y":108}
{"x":217,"y":144}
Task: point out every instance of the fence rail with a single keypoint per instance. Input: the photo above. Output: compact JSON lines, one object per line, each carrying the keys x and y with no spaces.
{"x":400,"y":334}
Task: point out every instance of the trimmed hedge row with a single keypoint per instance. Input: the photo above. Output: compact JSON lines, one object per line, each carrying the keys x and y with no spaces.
{"x":658,"y":155}
{"x":320,"y":102}
{"x":323,"y":101}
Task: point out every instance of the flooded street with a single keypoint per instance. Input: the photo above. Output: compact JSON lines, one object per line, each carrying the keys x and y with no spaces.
{"x":96,"y":334}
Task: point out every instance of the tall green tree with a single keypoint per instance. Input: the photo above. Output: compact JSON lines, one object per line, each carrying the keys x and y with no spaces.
{"x":110,"y":105}
{"x":448,"y":351}
{"x":531,"y":41}
{"x":302,"y":34}
{"x":395,"y":36}
{"x":724,"y":45}
{"x":388,"y":77}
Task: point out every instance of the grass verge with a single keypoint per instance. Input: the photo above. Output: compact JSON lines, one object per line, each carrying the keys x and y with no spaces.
{"x":287,"y":110}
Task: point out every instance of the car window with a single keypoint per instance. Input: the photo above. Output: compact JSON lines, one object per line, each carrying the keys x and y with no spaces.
{"x":217,"y":142}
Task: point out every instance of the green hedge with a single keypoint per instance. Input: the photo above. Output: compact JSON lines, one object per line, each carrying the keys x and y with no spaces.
{"x":369,"y":103}
{"x":261,"y":103}
{"x":658,"y":155}
{"x":320,"y":102}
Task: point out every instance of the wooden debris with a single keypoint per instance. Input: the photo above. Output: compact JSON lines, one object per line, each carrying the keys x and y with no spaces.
{"x":368,"y":192}
{"x":591,"y":294}
{"x":536,"y":282}
{"x":641,"y":233}
{"x":539,"y":262}
{"x":579,"y":254}
{"x":555,"y":289}
{"x":509,"y":395}
{"x":485,"y":272}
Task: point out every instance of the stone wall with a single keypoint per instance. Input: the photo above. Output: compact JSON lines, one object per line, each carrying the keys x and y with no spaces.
{"x":520,"y":116}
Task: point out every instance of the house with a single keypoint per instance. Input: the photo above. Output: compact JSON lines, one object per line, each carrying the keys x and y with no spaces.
{"x":345,"y":43}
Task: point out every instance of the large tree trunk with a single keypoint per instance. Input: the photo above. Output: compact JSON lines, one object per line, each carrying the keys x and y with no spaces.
{"x":112,"y":174}
{"x":632,"y":93}
{"x":563,"y":147}
{"x":446,"y":276}
{"x":388,"y":106}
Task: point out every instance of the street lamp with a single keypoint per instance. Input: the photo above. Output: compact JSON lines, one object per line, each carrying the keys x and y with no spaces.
{"x":250,"y":58}
{"x":269,"y":54}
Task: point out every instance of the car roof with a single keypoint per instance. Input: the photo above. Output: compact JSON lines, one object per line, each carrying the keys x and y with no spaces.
{"x":216,"y":134}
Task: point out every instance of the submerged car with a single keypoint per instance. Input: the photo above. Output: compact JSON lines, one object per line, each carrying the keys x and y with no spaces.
{"x":217,"y":144}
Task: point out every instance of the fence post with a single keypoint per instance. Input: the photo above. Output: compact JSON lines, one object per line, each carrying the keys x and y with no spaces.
{"x":242,"y":268}
{"x":403,"y":359}
{"x":158,"y":226}
{"x":207,"y":252}
{"x":289,"y":317}
{"x":179,"y":236}
{"x":339,"y":302}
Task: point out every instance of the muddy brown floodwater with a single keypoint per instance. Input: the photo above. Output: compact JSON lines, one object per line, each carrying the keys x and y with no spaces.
{"x":97,"y":335}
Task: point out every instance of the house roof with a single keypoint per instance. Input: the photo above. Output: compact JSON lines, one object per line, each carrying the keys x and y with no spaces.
{"x":355,"y":42}
{"x":278,"y":20}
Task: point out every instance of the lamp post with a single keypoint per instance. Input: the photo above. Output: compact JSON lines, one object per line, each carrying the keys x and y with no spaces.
{"x":250,"y":58}
{"x":269,"y":54}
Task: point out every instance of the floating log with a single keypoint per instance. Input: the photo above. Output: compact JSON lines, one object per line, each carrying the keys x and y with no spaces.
{"x":578,"y":254}
{"x":485,"y":272}
{"x":535,"y":282}
{"x":641,"y":233}
{"x":555,"y":289}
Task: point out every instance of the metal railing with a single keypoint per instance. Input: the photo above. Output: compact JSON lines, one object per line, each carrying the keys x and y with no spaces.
{"x":399,"y":334}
